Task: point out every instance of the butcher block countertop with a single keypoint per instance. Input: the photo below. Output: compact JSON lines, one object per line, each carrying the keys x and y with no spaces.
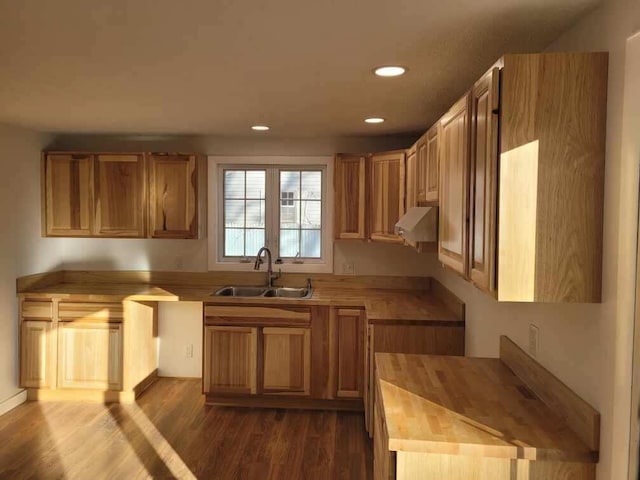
{"x":383,"y":303}
{"x":475,"y":407}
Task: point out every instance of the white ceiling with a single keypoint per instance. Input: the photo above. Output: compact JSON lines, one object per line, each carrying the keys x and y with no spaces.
{"x":218,"y":66}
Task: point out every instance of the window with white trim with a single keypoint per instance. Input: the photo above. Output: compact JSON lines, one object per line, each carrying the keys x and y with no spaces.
{"x":281,"y":206}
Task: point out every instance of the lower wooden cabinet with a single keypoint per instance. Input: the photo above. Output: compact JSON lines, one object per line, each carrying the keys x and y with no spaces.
{"x":37,"y":354}
{"x":350,"y":352}
{"x":90,"y":355}
{"x":230,"y":359}
{"x":286,"y":360}
{"x":85,"y":350}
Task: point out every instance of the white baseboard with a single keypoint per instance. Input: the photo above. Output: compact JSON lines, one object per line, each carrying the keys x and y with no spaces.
{"x":12,"y":402}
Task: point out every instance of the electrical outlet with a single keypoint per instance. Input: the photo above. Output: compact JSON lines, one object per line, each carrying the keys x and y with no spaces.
{"x":534,"y":340}
{"x":188,"y":350}
{"x":348,"y":269}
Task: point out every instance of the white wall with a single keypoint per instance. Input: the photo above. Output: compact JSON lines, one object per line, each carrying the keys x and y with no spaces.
{"x":589,"y":347}
{"x":19,"y":228}
{"x":180,"y":326}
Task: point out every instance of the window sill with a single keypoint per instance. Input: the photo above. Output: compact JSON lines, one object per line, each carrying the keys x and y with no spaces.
{"x":285,"y":267}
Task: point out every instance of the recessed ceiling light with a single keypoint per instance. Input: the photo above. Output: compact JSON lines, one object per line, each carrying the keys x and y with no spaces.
{"x":374,"y":120}
{"x":390,"y":71}
{"x":260,"y":128}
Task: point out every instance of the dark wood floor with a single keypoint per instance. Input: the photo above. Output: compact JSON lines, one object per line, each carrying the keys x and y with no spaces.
{"x":170,"y":433}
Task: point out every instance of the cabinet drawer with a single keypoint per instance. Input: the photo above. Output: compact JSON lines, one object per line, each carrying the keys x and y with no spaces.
{"x":36,"y":310}
{"x":90,"y":312}
{"x":269,"y":316}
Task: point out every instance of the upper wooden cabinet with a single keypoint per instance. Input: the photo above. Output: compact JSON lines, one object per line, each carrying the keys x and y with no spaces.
{"x":120,"y":196}
{"x":350,"y":196}
{"x":530,"y":229}
{"x":369,"y":195}
{"x":387,"y":190}
{"x":551,"y":179}
{"x":173,"y":194}
{"x":68,"y":195}
{"x":454,"y":187}
{"x":428,"y":165}
{"x":485,"y":97}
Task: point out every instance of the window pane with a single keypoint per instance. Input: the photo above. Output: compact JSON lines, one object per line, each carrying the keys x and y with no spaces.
{"x":234,"y":213}
{"x":233,"y":242}
{"x":290,"y":184}
{"x":255,"y":213}
{"x":311,"y":242}
{"x":311,"y":214}
{"x":234,"y":184}
{"x":255,"y":241}
{"x":255,"y":184}
{"x":289,"y":243}
{"x":312,"y":185}
{"x":290,"y":214}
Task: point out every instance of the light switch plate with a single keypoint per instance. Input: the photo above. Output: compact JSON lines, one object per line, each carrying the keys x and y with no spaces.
{"x":534,"y":340}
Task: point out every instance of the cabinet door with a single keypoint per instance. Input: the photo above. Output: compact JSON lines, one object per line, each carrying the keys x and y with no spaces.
{"x":120,"y":196}
{"x":90,"y":355}
{"x":350,"y":365}
{"x":68,"y":195}
{"x":387,"y":195}
{"x":454,"y":184}
{"x":350,"y":196}
{"x":230,"y":357}
{"x":173,"y":196}
{"x":37,"y":354}
{"x":432,"y":154}
{"x":384,"y":462}
{"x":421,"y":169}
{"x":411,"y":178}
{"x":484,"y":176}
{"x":286,"y":360}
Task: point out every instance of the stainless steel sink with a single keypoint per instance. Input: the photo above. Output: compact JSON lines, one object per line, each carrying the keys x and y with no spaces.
{"x":289,"y":292}
{"x":274,"y":292}
{"x":241,"y":292}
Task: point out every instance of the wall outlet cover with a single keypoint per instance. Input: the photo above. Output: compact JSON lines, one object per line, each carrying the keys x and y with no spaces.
{"x":348,"y":269}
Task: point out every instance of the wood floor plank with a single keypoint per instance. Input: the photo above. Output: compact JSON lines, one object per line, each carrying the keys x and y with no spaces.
{"x":170,"y":433}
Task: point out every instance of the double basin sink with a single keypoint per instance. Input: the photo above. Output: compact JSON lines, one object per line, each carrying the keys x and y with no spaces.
{"x":269,"y":292}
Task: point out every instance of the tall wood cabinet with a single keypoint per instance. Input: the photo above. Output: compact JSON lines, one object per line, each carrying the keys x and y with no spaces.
{"x":126,"y":195}
{"x":454,"y":187}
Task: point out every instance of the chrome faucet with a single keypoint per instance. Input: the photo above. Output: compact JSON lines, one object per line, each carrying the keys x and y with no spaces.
{"x":270,"y":275}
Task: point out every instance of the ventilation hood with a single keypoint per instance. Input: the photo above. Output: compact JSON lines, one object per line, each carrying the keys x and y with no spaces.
{"x":419,"y":224}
